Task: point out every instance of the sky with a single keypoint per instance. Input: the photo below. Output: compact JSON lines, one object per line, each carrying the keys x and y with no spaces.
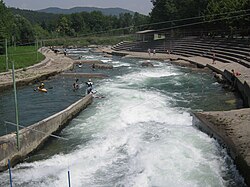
{"x":141,"y":6}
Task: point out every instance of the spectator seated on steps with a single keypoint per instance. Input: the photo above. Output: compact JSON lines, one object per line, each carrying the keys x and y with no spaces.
{"x":235,"y":73}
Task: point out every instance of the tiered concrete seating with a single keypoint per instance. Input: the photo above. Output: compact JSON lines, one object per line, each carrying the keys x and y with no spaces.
{"x":124,"y":46}
{"x":225,"y":50}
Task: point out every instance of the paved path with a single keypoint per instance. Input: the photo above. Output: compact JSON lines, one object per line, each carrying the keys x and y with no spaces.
{"x":220,"y":67}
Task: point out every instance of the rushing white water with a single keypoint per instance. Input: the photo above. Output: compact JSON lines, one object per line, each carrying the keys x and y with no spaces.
{"x":133,"y":137}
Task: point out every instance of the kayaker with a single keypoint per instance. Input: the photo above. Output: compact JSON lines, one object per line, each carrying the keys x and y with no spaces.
{"x":89,"y":86}
{"x":75,"y":85}
{"x":41,"y":85}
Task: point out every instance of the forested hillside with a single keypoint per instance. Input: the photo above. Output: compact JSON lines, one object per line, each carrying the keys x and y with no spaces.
{"x":24,"y":26}
{"x":104,"y":11}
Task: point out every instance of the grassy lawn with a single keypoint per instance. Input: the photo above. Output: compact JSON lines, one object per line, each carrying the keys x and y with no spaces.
{"x":88,"y":40}
{"x":23,"y":56}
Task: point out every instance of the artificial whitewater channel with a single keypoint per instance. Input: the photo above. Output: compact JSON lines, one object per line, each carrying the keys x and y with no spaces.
{"x":137,"y":133}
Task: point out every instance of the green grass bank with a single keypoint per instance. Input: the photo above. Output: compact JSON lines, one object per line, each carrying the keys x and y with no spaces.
{"x":23,"y":56}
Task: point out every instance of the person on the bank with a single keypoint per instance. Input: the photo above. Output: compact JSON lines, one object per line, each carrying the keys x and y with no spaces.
{"x":213,"y":59}
{"x":154,"y":52}
{"x":149,"y":51}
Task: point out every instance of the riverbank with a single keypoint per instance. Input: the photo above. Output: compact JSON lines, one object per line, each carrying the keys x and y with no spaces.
{"x":230,"y":128}
{"x":51,"y":65}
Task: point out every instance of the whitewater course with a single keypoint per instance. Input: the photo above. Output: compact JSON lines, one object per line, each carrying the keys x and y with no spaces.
{"x":136,"y":130}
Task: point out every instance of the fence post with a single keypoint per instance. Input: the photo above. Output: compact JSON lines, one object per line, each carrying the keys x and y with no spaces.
{"x":69,"y":178}
{"x":16,"y":107}
{"x":37,"y":50}
{"x":10,"y":173}
{"x":6,"y":54}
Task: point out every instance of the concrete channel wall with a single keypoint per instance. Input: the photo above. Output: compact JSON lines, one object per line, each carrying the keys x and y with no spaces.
{"x":233,"y":145}
{"x":240,"y":85}
{"x":31,"y":140}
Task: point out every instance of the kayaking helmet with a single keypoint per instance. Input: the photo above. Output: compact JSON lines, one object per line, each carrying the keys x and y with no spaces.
{"x":42,"y":84}
{"x":89,"y":80}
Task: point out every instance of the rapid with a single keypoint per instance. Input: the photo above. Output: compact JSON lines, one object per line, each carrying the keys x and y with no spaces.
{"x":138,"y":133}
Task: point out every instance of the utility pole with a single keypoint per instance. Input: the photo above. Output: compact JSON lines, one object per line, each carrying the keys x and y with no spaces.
{"x":16,"y":107}
{"x":6,"y":54}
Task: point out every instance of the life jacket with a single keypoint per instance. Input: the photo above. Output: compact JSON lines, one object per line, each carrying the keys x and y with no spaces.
{"x":89,"y":84}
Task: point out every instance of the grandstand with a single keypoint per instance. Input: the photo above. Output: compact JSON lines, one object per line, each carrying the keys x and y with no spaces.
{"x":226,"y":50}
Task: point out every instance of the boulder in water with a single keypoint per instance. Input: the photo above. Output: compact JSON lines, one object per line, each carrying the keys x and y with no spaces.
{"x":147,"y":64}
{"x":102,"y":66}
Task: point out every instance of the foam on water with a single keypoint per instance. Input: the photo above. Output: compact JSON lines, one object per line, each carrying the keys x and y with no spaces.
{"x":106,"y":60}
{"x":117,"y":64}
{"x":137,"y":139}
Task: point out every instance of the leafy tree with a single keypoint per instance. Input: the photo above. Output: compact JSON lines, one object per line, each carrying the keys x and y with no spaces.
{"x":163,"y":10}
{"x":77,"y":23}
{"x":139,"y":19}
{"x":231,"y":14}
{"x":64,"y":27}
{"x":6,"y":22}
{"x":23,"y":30}
{"x":167,"y":10}
{"x":125,"y":20}
{"x":40,"y":33}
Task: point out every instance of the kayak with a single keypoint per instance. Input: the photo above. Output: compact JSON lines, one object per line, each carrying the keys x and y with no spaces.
{"x":42,"y":90}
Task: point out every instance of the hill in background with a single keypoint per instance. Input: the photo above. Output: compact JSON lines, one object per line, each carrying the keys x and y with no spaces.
{"x":105,"y":11}
{"x":53,"y":13}
{"x":34,"y":16}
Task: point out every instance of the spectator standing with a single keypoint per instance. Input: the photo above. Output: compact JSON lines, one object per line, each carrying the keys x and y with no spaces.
{"x":213,"y":59}
{"x":149,"y":51}
{"x":154,"y":52}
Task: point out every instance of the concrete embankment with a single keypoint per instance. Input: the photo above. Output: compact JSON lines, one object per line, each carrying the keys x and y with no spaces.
{"x":31,"y":138}
{"x":232,"y":130}
{"x":87,"y":61}
{"x":52,"y":65}
{"x":85,"y":75}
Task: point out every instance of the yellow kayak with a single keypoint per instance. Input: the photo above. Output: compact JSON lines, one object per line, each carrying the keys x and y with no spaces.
{"x":42,"y":90}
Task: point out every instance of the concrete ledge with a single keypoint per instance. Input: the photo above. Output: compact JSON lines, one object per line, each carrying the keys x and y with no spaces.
{"x":117,"y":53}
{"x":103,"y":66}
{"x":27,"y":81}
{"x":231,"y":129}
{"x":87,"y":61}
{"x":31,"y":140}
{"x":85,"y":75}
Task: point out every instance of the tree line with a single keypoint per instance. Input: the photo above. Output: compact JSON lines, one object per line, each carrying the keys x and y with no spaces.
{"x":24,"y":26}
{"x":230,"y":15}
